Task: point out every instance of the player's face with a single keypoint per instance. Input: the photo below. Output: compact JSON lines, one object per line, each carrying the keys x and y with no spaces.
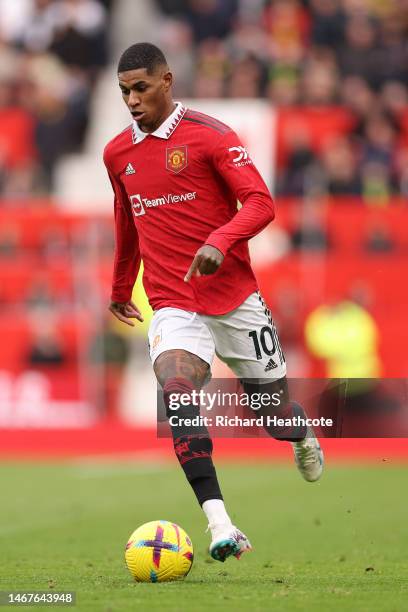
{"x":147,"y":96}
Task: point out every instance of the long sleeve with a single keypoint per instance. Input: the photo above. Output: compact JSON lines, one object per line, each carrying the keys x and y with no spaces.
{"x":127,"y":252}
{"x":230,"y":159}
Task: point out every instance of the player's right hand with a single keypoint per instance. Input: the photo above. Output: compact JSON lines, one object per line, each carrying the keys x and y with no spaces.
{"x":125,"y":312}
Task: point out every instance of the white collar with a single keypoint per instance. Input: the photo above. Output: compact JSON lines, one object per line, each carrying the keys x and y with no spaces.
{"x":165,"y":130}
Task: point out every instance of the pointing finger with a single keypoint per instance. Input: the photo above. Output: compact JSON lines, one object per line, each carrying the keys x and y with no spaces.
{"x":193,"y":268}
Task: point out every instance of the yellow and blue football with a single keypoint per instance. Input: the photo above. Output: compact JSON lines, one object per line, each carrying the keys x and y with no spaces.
{"x":159,"y":551}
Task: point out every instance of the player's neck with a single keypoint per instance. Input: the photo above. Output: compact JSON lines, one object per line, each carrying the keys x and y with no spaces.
{"x":170,"y":108}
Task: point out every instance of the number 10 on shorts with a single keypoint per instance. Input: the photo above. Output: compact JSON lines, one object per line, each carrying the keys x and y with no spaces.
{"x":267,"y":341}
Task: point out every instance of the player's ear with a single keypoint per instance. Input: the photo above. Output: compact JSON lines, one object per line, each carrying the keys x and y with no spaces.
{"x":167,"y":80}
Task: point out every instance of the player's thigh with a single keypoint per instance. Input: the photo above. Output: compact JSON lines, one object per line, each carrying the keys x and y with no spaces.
{"x":180,"y":345}
{"x":247,"y":341}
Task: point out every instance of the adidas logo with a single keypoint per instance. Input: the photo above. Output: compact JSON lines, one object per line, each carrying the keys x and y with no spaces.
{"x":270,"y":365}
{"x":130,"y":169}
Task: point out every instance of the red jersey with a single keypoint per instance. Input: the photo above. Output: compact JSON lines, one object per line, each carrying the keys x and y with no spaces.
{"x":176,"y":190}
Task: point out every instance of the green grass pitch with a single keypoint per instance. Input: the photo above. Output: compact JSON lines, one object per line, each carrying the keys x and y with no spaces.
{"x":340,"y":544}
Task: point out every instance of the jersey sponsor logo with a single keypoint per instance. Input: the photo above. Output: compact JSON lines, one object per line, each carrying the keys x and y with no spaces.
{"x":176,"y":158}
{"x":130,"y":169}
{"x":140,"y":204}
{"x":241,"y":157}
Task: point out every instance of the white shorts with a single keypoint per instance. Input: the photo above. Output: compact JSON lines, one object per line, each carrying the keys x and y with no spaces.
{"x":245,"y":338}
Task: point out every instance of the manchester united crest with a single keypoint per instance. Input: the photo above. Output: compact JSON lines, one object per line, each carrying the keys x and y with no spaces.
{"x":176,"y":158}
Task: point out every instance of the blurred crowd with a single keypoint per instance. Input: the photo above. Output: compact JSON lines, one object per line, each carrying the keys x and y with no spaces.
{"x":51,"y":52}
{"x":337,"y":70}
{"x":345,"y":59}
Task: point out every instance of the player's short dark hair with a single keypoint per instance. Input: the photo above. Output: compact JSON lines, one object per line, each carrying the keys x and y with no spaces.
{"x":141,"y":55}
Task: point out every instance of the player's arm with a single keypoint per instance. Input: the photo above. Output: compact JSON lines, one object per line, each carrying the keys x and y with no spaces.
{"x":127,"y":256}
{"x":232,"y":162}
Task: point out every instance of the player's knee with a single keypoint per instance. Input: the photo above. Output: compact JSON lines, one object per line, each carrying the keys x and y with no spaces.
{"x":180,"y":364}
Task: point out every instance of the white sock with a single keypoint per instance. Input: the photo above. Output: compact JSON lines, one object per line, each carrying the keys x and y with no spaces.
{"x":216,"y":512}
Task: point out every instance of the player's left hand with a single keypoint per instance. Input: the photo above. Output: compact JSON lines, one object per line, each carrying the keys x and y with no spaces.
{"x":207,"y":260}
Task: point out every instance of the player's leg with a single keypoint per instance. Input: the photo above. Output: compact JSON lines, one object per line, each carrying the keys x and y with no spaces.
{"x":306,"y":447}
{"x":247,"y":340}
{"x":182,"y":350}
{"x":180,"y":373}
